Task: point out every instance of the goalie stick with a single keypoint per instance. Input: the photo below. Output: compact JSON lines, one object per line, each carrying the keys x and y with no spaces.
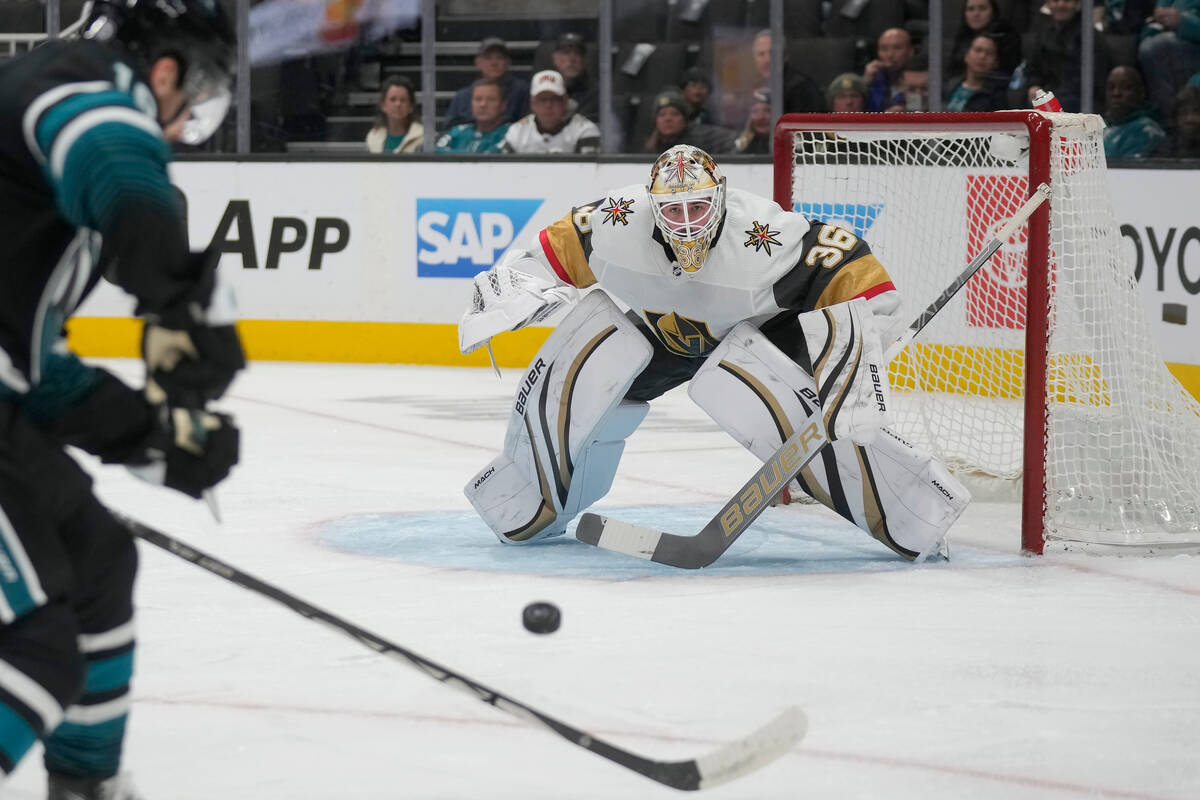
{"x":694,"y":552}
{"x":705,"y":547}
{"x":727,"y":762}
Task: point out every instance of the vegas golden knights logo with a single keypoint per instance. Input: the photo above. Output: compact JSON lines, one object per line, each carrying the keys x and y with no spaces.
{"x":687,"y":337}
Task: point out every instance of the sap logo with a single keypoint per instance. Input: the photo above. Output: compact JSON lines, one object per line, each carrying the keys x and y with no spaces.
{"x":461,"y":237}
{"x":527,"y":385}
{"x":856,"y":217}
{"x":288,"y":235}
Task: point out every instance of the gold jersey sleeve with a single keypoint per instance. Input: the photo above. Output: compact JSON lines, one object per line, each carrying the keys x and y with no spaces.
{"x":567,"y":245}
{"x":835,"y":266}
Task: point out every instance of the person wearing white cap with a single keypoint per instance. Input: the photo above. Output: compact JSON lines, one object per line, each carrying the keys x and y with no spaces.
{"x":551,"y":128}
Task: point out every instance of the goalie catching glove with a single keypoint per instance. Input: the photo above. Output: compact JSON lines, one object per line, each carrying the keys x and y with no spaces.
{"x":506,"y":299}
{"x":187,"y":450}
{"x":192,"y":350}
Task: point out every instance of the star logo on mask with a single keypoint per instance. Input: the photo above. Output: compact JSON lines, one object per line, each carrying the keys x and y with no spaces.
{"x":761,"y":238}
{"x":617,"y":211}
{"x":681,"y":172}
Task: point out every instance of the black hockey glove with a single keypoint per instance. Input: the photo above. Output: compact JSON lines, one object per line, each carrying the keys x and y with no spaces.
{"x":192,"y":350}
{"x":188,"y":450}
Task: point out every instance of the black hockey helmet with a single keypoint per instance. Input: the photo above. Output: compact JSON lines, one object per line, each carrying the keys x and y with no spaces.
{"x":197,"y":33}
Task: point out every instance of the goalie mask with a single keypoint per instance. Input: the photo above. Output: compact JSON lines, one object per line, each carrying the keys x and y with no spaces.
{"x":687,"y":201}
{"x":196,"y":33}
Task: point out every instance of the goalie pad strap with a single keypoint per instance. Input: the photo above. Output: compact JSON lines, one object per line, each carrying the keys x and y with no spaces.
{"x":568,"y":425}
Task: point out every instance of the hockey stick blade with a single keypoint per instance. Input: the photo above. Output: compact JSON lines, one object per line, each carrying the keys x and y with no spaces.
{"x":724,"y":764}
{"x":702,"y":549}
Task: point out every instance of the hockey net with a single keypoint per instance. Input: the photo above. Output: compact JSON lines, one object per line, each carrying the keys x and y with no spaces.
{"x":1041,"y":378}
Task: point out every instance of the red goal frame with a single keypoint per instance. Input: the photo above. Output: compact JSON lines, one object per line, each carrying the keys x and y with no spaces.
{"x":1039,"y":128}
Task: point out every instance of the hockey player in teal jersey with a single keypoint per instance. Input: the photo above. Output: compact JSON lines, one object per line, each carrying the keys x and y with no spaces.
{"x":84,"y":194}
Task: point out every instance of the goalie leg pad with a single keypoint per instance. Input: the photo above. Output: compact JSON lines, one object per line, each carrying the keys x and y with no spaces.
{"x":568,"y":425}
{"x":902,"y":496}
{"x":899,"y":495}
{"x":753,"y":391}
{"x":848,"y":365}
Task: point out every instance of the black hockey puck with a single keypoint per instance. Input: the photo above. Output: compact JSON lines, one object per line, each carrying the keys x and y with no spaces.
{"x":541,"y":617}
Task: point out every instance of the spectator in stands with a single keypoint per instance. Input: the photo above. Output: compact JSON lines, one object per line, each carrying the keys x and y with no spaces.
{"x":569,"y":58}
{"x":696,"y":89}
{"x":1132,"y":131}
{"x":396,"y":127}
{"x":493,"y":61}
{"x":847,"y":93}
{"x":1056,"y":53}
{"x":486,"y":133}
{"x":800,"y":93}
{"x":982,"y":87}
{"x":552,"y":127}
{"x":1169,"y":51}
{"x":671,"y":127}
{"x":1123,"y":16}
{"x":1184,"y":141}
{"x":983,"y":17}
{"x":892,"y":85}
{"x":756,"y":135}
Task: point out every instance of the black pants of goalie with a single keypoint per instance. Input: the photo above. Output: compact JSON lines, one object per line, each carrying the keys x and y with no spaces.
{"x":667,"y":369}
{"x":66,"y":609}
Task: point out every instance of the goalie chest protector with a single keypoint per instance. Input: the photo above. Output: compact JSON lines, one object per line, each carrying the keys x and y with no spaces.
{"x":757,"y":268}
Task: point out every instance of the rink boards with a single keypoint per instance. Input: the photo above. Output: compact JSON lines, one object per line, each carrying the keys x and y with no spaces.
{"x":371,"y":261}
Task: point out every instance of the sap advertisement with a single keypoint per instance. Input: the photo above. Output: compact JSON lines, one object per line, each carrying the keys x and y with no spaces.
{"x":459,"y":237}
{"x":398,"y":241}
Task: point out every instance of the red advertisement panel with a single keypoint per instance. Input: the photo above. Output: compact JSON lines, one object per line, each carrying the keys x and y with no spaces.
{"x":996,"y":295}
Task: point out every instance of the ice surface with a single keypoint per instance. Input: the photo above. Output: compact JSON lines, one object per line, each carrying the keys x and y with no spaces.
{"x":992,"y":676}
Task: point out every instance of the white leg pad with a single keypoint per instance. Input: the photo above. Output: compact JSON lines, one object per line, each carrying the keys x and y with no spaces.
{"x":900,"y":495}
{"x":753,"y":391}
{"x":568,"y":426}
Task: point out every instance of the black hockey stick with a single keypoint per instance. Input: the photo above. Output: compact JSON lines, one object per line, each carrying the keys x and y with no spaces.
{"x":724,"y":764}
{"x":1039,"y":196}
{"x":702,"y":549}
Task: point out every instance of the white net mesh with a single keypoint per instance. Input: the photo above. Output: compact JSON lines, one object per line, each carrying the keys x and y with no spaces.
{"x":1122,"y":437}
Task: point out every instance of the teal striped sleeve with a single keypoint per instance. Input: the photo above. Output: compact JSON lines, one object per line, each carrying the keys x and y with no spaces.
{"x":102,"y":156}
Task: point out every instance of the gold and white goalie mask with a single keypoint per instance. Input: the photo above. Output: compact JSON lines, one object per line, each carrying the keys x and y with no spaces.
{"x":687,"y":201}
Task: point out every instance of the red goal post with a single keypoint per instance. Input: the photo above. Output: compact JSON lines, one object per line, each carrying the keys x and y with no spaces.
{"x":1042,"y":376}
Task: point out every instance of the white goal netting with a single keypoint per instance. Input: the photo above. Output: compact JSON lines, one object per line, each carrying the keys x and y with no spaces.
{"x":1120,"y":441}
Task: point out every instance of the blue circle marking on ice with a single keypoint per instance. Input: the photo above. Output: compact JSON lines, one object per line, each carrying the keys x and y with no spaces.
{"x":782,"y":541}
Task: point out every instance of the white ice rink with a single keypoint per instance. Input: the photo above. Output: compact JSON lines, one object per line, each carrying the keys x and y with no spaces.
{"x":992,"y":676}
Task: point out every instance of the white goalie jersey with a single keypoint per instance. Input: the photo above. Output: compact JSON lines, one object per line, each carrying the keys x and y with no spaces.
{"x":763,"y":262}
{"x":775,"y":321}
